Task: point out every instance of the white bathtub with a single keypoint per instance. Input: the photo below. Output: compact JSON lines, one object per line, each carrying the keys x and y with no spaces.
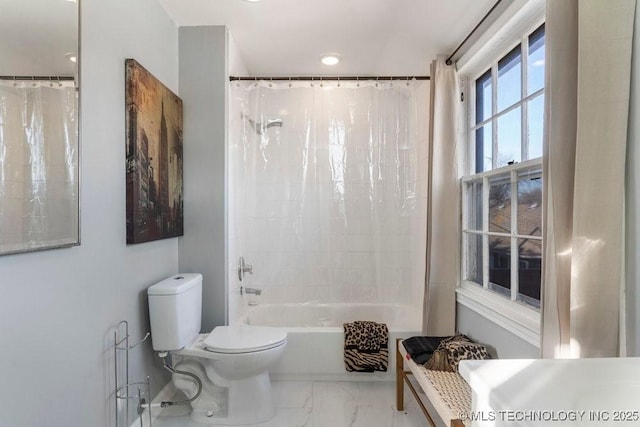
{"x":315,"y":336}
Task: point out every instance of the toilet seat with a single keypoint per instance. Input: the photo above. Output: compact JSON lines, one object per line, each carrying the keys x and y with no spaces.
{"x":239,"y":339}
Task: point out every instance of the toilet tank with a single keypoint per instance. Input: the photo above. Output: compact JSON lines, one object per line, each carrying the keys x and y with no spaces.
{"x":175,"y":311}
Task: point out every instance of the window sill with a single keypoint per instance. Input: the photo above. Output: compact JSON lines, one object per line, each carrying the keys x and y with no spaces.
{"x":516,"y":318}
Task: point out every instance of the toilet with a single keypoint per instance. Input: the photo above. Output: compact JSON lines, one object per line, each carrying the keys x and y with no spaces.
{"x":232,"y":362}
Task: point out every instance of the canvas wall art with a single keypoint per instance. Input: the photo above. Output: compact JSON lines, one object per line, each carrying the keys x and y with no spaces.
{"x":154,"y":157}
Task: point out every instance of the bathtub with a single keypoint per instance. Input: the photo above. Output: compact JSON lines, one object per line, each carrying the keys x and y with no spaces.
{"x":315,"y":336}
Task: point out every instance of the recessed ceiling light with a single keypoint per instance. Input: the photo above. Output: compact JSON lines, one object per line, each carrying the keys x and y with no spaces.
{"x":330,"y":59}
{"x":72,"y":57}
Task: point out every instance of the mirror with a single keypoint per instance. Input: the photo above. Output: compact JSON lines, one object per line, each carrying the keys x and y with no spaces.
{"x":39,"y":137}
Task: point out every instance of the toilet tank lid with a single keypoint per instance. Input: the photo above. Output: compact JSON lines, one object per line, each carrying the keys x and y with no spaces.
{"x":176,"y":284}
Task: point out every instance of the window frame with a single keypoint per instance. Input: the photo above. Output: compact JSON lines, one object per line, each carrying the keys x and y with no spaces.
{"x":513,"y":172}
{"x":522,"y":103}
{"x":521,"y":319}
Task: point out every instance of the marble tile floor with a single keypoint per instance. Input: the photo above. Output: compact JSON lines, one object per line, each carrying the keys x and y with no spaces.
{"x":330,"y":404}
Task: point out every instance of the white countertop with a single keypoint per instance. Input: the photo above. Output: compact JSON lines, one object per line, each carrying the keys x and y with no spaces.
{"x":552,"y":392}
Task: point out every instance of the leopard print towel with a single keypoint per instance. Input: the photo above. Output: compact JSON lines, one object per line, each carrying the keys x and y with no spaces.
{"x":366,"y":346}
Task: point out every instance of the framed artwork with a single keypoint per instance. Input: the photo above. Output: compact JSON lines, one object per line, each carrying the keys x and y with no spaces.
{"x":154,"y":157}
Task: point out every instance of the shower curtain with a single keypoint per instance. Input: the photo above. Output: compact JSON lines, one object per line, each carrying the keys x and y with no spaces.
{"x":328,"y":184}
{"x":38,"y":165}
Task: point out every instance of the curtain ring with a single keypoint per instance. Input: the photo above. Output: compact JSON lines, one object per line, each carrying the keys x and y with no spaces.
{"x":338,"y":81}
{"x":311,"y":81}
{"x":377,"y":78}
{"x":290,"y":85}
{"x":358,"y":81}
{"x":321,"y":84}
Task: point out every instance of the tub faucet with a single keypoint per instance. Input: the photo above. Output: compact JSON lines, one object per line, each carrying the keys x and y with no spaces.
{"x":249,"y":291}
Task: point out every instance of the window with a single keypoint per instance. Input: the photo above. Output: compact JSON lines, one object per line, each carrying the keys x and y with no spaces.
{"x":502,"y":194}
{"x":509,"y":107}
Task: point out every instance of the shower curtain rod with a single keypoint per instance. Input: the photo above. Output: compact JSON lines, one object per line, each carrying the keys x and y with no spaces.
{"x":331,"y":78}
{"x":484,"y":18}
{"x":52,"y":78}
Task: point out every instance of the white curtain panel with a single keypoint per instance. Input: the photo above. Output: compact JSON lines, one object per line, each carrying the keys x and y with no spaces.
{"x":588,"y":57}
{"x":443,"y":207}
{"x":38,"y":165}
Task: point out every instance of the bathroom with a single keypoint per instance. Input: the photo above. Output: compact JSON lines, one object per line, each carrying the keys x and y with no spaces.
{"x":60,"y":306}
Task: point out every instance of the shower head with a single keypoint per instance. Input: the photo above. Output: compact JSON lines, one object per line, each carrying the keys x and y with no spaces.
{"x":260,"y":127}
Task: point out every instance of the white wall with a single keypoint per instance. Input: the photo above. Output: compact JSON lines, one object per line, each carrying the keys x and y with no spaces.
{"x":58,"y":307}
{"x":203,"y":88}
{"x":502,"y":343}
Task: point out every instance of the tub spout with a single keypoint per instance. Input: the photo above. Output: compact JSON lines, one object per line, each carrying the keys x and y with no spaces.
{"x":250,"y":291}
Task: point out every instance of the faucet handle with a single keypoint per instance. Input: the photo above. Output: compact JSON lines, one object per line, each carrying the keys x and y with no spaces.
{"x":243,"y":268}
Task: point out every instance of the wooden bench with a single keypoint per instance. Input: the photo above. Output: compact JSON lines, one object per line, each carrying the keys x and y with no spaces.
{"x":448,"y":392}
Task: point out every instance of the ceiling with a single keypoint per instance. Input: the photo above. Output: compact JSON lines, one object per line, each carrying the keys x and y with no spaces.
{"x":374,"y":37}
{"x":274,"y":37}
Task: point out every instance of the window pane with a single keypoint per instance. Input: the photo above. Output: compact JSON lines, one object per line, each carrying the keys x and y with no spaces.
{"x":500,"y":264}
{"x":530,"y":203}
{"x":483,"y":97}
{"x":474,"y":206}
{"x":535,"y":68}
{"x":536,"y":123}
{"x":510,"y":79}
{"x":509,"y":138}
{"x":473,"y":244}
{"x":500,"y":205}
{"x":529,"y":271}
{"x":484,"y":148}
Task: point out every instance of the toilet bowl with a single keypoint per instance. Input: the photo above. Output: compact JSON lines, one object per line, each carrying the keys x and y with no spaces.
{"x":235,"y":359}
{"x":232,"y":362}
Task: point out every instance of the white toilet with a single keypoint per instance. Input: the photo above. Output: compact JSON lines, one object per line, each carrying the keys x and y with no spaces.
{"x":232,"y":361}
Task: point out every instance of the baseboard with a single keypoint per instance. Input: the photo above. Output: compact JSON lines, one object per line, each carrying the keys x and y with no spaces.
{"x":167,"y":392}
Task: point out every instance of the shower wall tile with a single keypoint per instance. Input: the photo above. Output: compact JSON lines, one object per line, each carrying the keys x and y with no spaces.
{"x":360,"y":243}
{"x":353,"y":292}
{"x":258,"y":245}
{"x":312,"y":278}
{"x":296,"y":293}
{"x":322,"y":219}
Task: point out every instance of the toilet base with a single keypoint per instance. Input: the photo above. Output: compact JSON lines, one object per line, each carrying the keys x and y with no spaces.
{"x":241,"y":402}
{"x":236,"y":389}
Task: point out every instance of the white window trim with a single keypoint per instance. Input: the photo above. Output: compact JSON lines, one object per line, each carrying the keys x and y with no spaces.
{"x":522,"y":321}
{"x":522,"y":18}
